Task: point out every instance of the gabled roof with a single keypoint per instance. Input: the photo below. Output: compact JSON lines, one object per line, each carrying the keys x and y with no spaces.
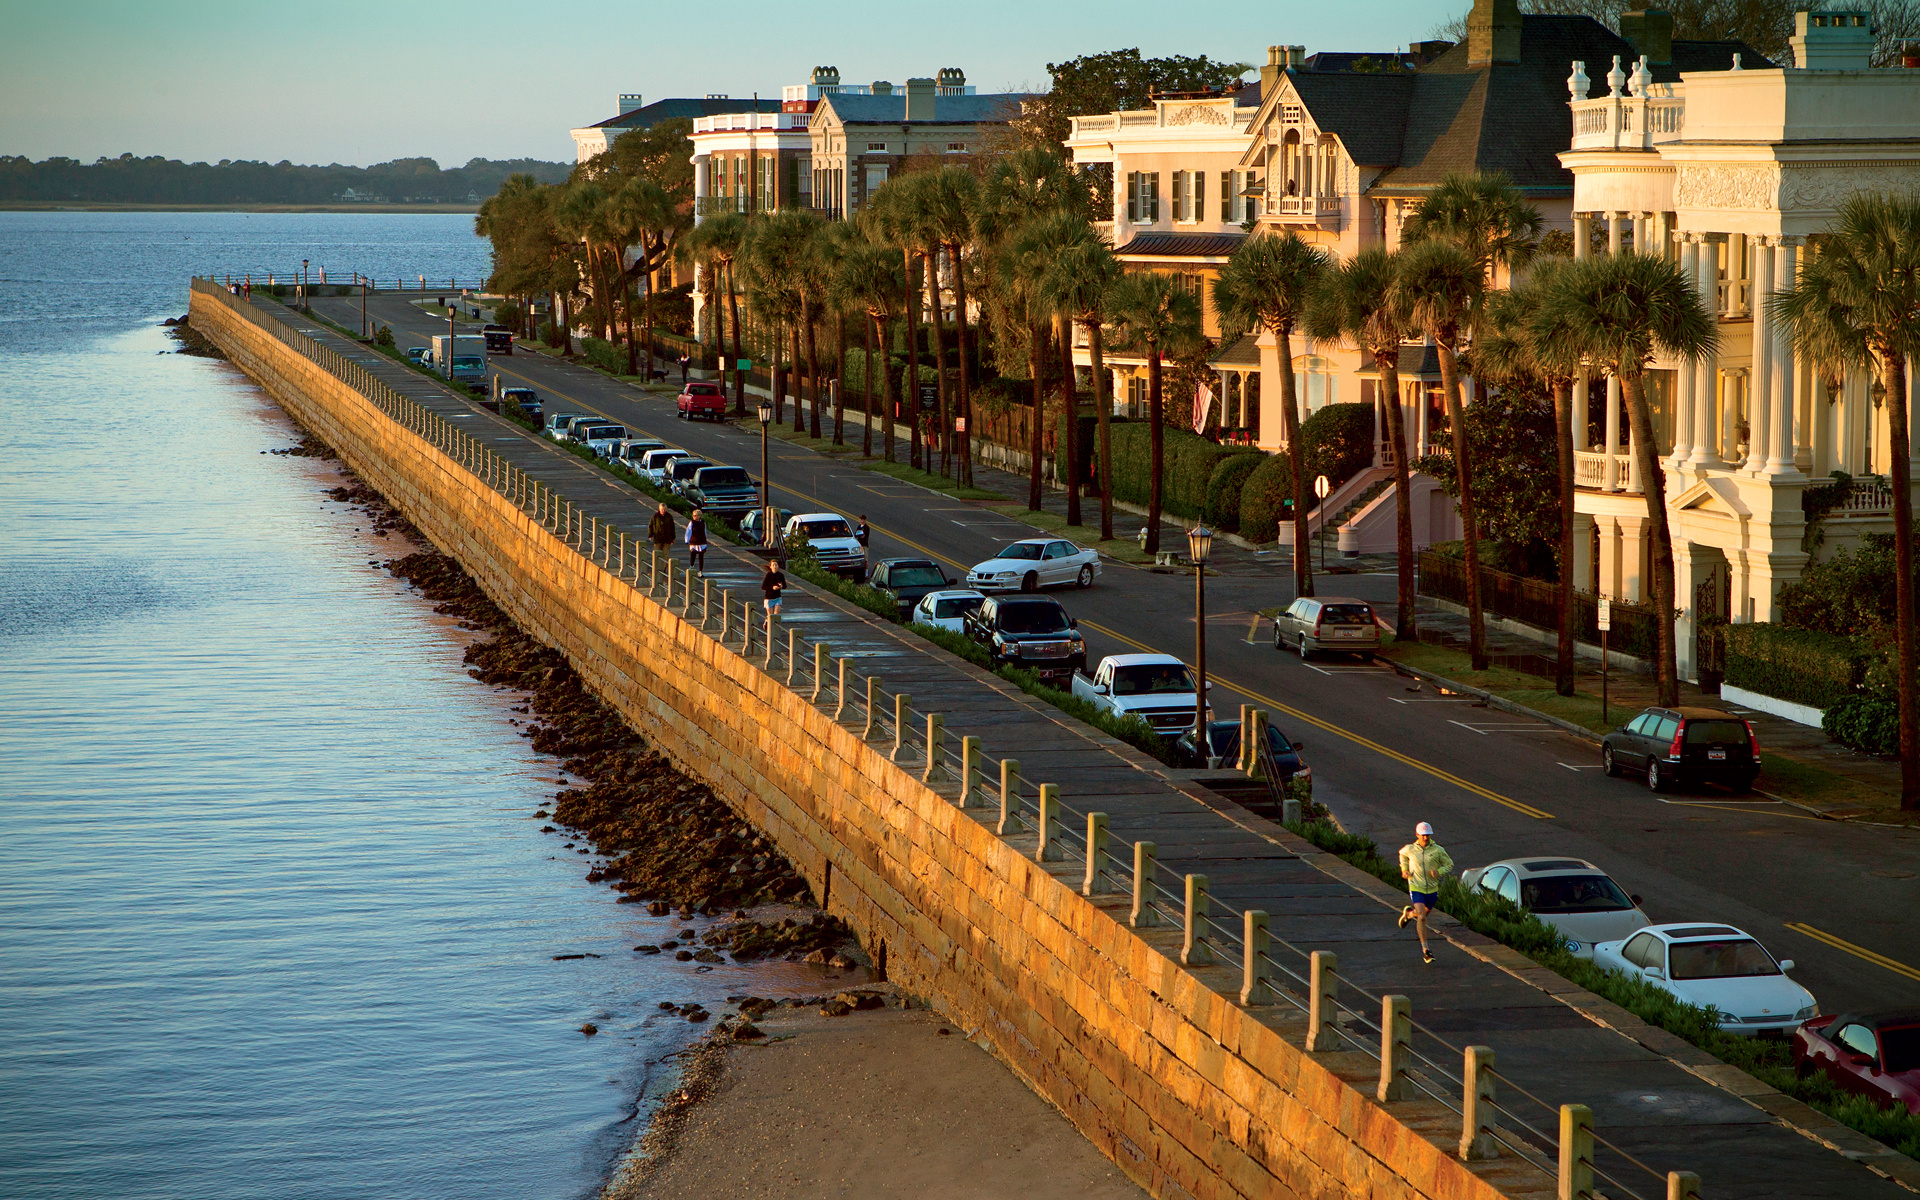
{"x":1181,"y":245}
{"x":858,"y":109}
{"x":1366,"y":111}
{"x":1244,"y":351}
{"x":650,"y":115}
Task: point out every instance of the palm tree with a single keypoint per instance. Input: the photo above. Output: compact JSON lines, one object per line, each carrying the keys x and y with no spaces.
{"x":1483,"y":214}
{"x":1358,"y":302}
{"x":949,"y":200}
{"x":641,"y":214}
{"x":870,"y":279}
{"x":581,"y":217}
{"x":1620,"y":309}
{"x":1854,"y":303}
{"x":1266,"y":285}
{"x":1076,"y":283}
{"x":723,"y":240}
{"x":1154,"y":315}
{"x":896,"y":217}
{"x":838,"y":242}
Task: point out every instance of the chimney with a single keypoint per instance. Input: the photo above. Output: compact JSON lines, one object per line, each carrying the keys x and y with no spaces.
{"x":1295,"y":56}
{"x":919,"y":100}
{"x":826,"y":77}
{"x":1493,"y":32}
{"x":1650,"y":32}
{"x":951,"y":81}
{"x":1423,"y":53}
{"x":882,"y":88}
{"x":629,"y":102}
{"x":1832,"y":41}
{"x":1271,"y":72}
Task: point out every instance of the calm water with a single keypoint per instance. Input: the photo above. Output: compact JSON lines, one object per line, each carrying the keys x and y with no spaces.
{"x":275,"y":919}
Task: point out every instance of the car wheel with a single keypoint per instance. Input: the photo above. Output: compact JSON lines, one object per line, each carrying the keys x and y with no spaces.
{"x":1086,"y":577}
{"x":1305,"y":653}
{"x":1031,"y":582}
{"x":1656,"y":781}
{"x":1607,"y":762}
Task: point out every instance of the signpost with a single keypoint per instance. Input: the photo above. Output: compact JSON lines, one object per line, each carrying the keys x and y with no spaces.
{"x":1321,"y":488}
{"x":929,"y":397}
{"x":1606,"y":623}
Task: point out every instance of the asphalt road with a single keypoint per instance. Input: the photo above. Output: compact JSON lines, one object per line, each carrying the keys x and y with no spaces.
{"x":1839,"y":898}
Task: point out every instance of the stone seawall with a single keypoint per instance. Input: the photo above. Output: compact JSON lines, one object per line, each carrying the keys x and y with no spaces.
{"x":1190,"y":1093}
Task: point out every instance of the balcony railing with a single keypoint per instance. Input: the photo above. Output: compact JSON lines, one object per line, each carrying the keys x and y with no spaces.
{"x":708,"y":206}
{"x":1590,"y":471}
{"x":766,"y":122}
{"x":1628,"y":122}
{"x":1308,"y":208}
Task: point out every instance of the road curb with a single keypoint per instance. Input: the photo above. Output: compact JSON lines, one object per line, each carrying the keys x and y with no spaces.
{"x":1493,"y":700}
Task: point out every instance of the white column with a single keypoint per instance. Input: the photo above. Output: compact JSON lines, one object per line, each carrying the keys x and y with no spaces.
{"x":1707,"y":370}
{"x":1615,"y":223}
{"x":1690,"y":382}
{"x":1641,"y":237}
{"x":1785,"y":376}
{"x":1807,"y":414}
{"x":1760,"y":390}
{"x":1913,"y":427}
{"x":1612,"y":476}
{"x":1582,"y":234}
{"x":1582,"y":247}
{"x":1379,"y":424}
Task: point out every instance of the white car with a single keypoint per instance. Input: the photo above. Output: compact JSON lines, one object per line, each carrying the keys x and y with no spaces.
{"x":1033,"y":563}
{"x":629,"y":453}
{"x":1717,"y":967}
{"x":601,"y":439}
{"x":946,"y":609}
{"x":1570,"y":894}
{"x":654,"y":464}
{"x":834,"y":546}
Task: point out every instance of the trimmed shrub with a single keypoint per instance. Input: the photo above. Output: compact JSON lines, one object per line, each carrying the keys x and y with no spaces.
{"x":1187,"y":463}
{"x":1861,"y":722}
{"x":1339,"y":441}
{"x":1224,"y":488}
{"x":1266,"y":499}
{"x":605,"y":355}
{"x":1815,"y":669}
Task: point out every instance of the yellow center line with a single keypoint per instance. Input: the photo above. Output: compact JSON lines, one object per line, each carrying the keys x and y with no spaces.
{"x":1878,"y":960}
{"x":1351,"y":736}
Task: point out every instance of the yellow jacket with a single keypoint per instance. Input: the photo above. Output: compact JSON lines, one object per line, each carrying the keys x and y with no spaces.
{"x":1424,"y":865}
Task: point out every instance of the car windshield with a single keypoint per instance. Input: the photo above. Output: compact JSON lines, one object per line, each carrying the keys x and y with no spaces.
{"x":1573,"y":894}
{"x":1033,"y":618}
{"x":957,"y":607}
{"x":1144,"y":678}
{"x":608,"y":432}
{"x":825,"y":529}
{"x":1900,"y":1048}
{"x":1346,"y":614}
{"x":1701,"y":733}
{"x":703,"y":389}
{"x":916,"y":577}
{"x":1720,"y":960}
{"x":467,"y":361}
{"x":723,"y":477}
{"x":521,"y":394}
{"x":1022,"y":550}
{"x":683,"y":468}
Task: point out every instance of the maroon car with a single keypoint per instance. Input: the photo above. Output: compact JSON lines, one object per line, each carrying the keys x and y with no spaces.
{"x":702,"y":399}
{"x":1876,"y":1055}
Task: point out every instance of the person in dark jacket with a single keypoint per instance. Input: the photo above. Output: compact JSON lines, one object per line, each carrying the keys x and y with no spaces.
{"x":772,"y":584}
{"x":697,"y":541}
{"x":660,"y":529}
{"x":860,"y":531}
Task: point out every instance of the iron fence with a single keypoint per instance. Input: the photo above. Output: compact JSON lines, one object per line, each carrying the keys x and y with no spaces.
{"x":1537,"y":602}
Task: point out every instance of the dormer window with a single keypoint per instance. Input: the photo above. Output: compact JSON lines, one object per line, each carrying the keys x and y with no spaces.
{"x":1290,"y":114}
{"x":876,"y":147}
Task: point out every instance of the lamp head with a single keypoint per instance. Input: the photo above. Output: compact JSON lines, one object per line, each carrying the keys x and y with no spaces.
{"x":1200,"y":543}
{"x":766,"y":413}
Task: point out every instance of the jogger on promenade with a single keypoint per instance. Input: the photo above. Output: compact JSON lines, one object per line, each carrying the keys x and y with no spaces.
{"x":771,"y":585}
{"x":1423,"y":862}
{"x":697,"y":541}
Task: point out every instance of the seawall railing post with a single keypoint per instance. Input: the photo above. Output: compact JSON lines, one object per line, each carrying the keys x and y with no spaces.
{"x":1144,"y":862}
{"x":1256,"y":985}
{"x":1098,"y":881}
{"x":1396,"y":1032}
{"x":793,"y":653}
{"x":969,"y":770}
{"x":1044,"y":850}
{"x":1476,"y":1106}
{"x":1576,"y":1152}
{"x":770,"y":642}
{"x":840,"y":689}
{"x":1683,"y":1185}
{"x":746,"y":628}
{"x":653,"y":570}
{"x":1009,"y":797}
{"x":873,"y":694}
{"x":901,"y":702}
{"x":936,"y":768}
{"x":819,"y":671}
{"x":1323,"y":986}
{"x":1256,"y":732}
{"x":1246,"y":743}
{"x":1291,"y":810}
{"x":706,"y":600}
{"x":726,"y":615}
{"x":1195,"y":951}
{"x":686,"y":594}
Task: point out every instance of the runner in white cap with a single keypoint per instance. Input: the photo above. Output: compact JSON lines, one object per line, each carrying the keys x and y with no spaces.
{"x":1422,"y":864}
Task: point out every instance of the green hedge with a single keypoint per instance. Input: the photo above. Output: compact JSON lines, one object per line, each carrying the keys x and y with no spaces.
{"x":1815,"y":669}
{"x":1187,"y":463}
{"x":1266,"y":499}
{"x":1224,"y":488}
{"x":1339,"y":441}
{"x":1861,"y":722}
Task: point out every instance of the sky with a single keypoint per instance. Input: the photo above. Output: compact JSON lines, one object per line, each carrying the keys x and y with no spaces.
{"x":357,"y":82}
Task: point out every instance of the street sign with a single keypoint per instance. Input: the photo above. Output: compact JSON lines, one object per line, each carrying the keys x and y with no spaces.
{"x":745,"y":364}
{"x":1321,"y":487}
{"x":1606,"y":613}
{"x":929,"y":397}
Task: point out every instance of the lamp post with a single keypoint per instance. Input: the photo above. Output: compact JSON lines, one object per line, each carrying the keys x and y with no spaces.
{"x":766,"y":488}
{"x":303,"y":283}
{"x":449,"y":343}
{"x":1200,"y":549}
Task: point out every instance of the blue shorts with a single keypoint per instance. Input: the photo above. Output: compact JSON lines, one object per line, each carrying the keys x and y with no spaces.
{"x":1430,"y":899}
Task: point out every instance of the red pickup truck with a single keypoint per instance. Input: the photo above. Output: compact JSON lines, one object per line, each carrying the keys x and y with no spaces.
{"x":702,"y":399}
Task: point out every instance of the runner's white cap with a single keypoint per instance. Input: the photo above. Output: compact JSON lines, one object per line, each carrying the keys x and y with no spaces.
{"x":1421,"y":828}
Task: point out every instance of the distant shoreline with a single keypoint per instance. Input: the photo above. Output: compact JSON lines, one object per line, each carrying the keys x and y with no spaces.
{"x":104,"y":206}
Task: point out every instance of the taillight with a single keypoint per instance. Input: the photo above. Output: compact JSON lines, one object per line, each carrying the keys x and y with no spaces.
{"x":1753,"y":739}
{"x":1673,"y":751}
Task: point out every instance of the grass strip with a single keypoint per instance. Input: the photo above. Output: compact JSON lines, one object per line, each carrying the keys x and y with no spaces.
{"x":1768,"y":1059}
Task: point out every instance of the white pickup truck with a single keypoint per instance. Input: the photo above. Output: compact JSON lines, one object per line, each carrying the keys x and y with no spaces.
{"x":1157,"y":688}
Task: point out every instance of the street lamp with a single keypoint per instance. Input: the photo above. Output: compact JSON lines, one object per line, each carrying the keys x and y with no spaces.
{"x":303,"y":284}
{"x":766,"y":491}
{"x":1200,"y":549}
{"x":450,"y":343}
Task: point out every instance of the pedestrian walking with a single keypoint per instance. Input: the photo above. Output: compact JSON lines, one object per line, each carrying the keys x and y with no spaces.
{"x":685,"y":360}
{"x":1423,"y":863}
{"x":772,"y":584}
{"x":860,"y":531}
{"x":660,"y":529}
{"x":697,"y":541}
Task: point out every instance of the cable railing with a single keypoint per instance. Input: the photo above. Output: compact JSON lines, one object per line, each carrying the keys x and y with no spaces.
{"x":1034,"y":812}
{"x":316,"y":278}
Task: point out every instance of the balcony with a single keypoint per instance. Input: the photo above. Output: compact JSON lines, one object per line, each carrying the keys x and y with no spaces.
{"x":1323,"y":211}
{"x":1590,"y":471}
{"x":1628,"y":122}
{"x":709,"y":206}
{"x":768,"y":122}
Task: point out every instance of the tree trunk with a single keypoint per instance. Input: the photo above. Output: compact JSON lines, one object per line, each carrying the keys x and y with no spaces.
{"x":1666,"y":670}
{"x":1563,"y":439}
{"x":941,"y":423}
{"x":799,"y":417}
{"x":1469,"y":528}
{"x":840,"y":380}
{"x":887,"y":402}
{"x":1037,"y":359}
{"x":1069,"y":451}
{"x":1157,"y":445}
{"x":1297,"y":459}
{"x":912,"y":406}
{"x":779,"y":379}
{"x":1906,"y":654}
{"x":647,"y":325}
{"x":813,"y":376}
{"x":733,"y":318}
{"x":1405,"y":625}
{"x":563,"y":325}
{"x":1103,"y":412}
{"x":866,"y":391}
{"x":633,"y":365}
{"x":966,"y":381}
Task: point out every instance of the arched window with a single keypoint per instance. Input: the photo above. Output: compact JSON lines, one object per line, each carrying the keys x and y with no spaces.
{"x":1291,"y":163}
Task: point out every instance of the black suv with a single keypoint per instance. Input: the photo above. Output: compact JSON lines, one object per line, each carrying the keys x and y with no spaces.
{"x":525,"y":397}
{"x":907,"y":580}
{"x":1675,"y":746}
{"x":1031,"y":632}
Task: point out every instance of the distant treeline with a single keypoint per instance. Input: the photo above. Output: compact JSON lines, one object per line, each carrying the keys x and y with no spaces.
{"x":155,"y":180}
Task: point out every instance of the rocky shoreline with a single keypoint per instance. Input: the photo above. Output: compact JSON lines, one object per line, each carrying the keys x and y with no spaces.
{"x":191,"y":340}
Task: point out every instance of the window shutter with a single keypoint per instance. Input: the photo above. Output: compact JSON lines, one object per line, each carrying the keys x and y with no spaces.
{"x":1153,"y":196}
{"x":1227,"y":194}
{"x":1199,"y":210}
{"x":1133,"y":196}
